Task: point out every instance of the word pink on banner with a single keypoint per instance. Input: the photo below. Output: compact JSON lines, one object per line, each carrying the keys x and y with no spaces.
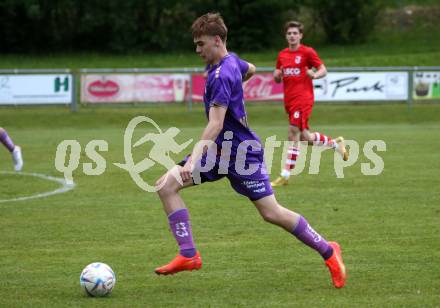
{"x":260,"y":87}
{"x":127,"y":88}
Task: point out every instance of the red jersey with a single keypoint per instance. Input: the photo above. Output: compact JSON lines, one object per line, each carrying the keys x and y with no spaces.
{"x":298,"y":87}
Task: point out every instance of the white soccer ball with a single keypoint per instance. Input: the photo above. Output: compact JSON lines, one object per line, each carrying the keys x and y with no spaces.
{"x":97,"y":279}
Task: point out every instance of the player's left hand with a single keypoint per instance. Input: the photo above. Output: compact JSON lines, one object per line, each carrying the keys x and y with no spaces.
{"x":311,"y":74}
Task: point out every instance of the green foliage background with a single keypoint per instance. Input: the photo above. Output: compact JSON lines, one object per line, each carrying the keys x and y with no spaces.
{"x":29,"y":26}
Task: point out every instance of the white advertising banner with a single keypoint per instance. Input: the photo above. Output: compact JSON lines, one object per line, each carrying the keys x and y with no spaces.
{"x":357,"y":86}
{"x":127,"y":88}
{"x":35,"y":89}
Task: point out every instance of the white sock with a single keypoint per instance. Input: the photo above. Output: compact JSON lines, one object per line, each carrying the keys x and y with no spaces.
{"x":285,"y":174}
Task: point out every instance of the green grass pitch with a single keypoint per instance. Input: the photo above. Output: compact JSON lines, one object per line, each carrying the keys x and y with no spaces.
{"x":388,"y":225}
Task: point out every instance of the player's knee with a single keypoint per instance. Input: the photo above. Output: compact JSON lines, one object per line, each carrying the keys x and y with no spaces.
{"x":270,"y":216}
{"x":166,"y":186}
{"x":294,"y":134}
{"x":294,"y":129}
{"x":159,"y":182}
{"x":164,"y":189}
{"x":306,"y":136}
{"x":2,"y":130}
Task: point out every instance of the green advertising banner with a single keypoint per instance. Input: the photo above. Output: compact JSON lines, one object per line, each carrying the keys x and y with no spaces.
{"x":426,"y":85}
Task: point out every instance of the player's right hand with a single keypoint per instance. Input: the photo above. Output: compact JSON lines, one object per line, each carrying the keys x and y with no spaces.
{"x":186,"y":171}
{"x":277,"y":75}
{"x":311,"y":74}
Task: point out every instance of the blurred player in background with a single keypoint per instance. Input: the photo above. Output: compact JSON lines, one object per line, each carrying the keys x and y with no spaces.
{"x":15,"y":150}
{"x":297,"y":65}
{"x":227,"y":127}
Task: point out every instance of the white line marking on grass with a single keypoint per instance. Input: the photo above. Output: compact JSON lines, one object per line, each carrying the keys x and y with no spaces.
{"x":64,"y":186}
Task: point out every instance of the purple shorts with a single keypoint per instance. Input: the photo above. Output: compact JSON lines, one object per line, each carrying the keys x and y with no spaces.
{"x":255,"y":185}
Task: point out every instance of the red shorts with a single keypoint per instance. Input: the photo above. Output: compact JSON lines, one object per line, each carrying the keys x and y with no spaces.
{"x":299,"y":116}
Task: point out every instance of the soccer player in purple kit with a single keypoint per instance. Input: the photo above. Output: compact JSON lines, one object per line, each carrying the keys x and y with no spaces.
{"x":15,"y":150}
{"x":227,"y":127}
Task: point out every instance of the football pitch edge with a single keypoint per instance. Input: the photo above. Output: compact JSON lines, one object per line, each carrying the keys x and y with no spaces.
{"x":65,"y":187}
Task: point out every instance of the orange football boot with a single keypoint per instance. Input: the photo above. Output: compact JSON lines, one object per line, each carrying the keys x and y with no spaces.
{"x":336,"y":266}
{"x":180,"y":263}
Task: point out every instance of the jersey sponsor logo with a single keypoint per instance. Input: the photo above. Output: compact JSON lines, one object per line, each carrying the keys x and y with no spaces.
{"x":255,"y":186}
{"x":261,"y":190}
{"x":292,"y":71}
{"x":298,"y":59}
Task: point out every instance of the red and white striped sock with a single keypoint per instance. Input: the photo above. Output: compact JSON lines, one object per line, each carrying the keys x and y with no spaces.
{"x":323,"y":140}
{"x":292,"y":154}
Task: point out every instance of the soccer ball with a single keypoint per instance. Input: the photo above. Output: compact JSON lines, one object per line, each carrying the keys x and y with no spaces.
{"x":97,"y":279}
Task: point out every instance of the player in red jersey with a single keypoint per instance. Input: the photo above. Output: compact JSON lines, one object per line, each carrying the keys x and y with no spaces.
{"x":296,"y":67}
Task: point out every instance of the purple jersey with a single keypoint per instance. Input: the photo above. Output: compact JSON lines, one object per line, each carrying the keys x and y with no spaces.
{"x":224,"y":87}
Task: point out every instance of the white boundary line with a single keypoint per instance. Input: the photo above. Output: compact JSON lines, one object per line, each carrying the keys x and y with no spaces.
{"x":64,"y":186}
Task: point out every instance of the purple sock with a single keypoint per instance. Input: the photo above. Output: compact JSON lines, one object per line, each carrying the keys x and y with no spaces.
{"x":181,"y":228}
{"x":4,"y":138}
{"x":305,"y":233}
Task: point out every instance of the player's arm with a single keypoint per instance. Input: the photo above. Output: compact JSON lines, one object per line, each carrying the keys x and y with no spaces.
{"x":278,"y":72}
{"x":319,"y":73}
{"x":250,"y":72}
{"x":313,"y":61}
{"x":215,"y":125}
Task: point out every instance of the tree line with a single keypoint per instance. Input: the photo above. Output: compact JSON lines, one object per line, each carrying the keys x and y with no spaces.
{"x":127,"y":26}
